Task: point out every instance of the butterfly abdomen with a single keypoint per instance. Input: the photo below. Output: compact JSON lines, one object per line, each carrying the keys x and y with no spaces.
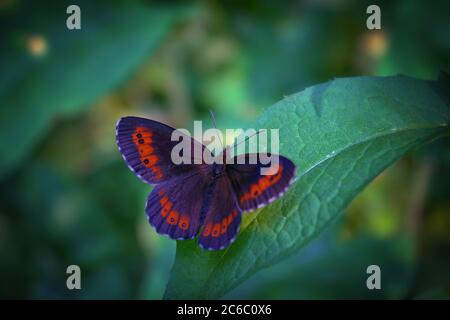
{"x":207,"y":200}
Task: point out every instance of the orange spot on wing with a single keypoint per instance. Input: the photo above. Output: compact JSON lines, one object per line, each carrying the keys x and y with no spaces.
{"x":163,"y":200}
{"x":235,"y":213}
{"x":245,"y":198}
{"x":165,"y":210}
{"x":229,"y":219}
{"x":172,"y":218}
{"x":150,"y":160}
{"x":157,"y":172}
{"x":184,"y":222}
{"x":216,"y":230}
{"x":207,"y":230}
{"x":147,"y":135}
{"x":224,"y":226}
{"x":144,"y":130}
{"x":264,"y":183}
{"x":256,"y":189}
{"x":141,"y":136}
{"x":146,"y":150}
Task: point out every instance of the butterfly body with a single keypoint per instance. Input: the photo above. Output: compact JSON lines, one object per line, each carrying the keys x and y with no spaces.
{"x":196,"y":199}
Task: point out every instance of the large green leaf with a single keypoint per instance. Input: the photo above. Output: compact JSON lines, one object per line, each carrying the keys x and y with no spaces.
{"x":341,"y":134}
{"x":49,"y":71}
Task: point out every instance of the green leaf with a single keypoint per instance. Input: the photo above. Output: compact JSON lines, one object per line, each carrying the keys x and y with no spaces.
{"x":341,"y":134}
{"x":49,"y":71}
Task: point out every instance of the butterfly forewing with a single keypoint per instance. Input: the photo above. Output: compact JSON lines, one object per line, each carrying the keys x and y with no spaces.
{"x":146,"y":147}
{"x":254,"y":190}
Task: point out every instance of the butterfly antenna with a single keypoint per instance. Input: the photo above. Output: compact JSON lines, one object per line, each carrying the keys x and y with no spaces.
{"x":246,"y":138}
{"x":213,"y":119}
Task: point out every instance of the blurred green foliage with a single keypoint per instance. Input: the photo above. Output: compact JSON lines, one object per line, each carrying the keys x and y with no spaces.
{"x":66,"y":70}
{"x":66,"y":196}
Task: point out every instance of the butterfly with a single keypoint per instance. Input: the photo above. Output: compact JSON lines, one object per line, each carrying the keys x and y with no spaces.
{"x":189,"y":199}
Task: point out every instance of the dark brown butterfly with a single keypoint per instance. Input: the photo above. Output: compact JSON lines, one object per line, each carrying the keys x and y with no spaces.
{"x":189,"y":200}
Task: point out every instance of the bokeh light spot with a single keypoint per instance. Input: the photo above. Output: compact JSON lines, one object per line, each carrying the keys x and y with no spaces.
{"x":37,"y":45}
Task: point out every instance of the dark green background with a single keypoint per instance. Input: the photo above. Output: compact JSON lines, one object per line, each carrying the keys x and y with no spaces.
{"x":66,"y":197}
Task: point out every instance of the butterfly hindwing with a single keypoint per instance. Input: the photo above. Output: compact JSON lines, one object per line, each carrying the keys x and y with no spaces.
{"x":174,"y":208}
{"x":254,"y":190}
{"x":222,"y":217}
{"x":146,"y":147}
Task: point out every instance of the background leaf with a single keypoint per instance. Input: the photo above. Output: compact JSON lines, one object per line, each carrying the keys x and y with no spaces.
{"x":341,"y":134}
{"x":331,"y":267}
{"x":50,"y":71}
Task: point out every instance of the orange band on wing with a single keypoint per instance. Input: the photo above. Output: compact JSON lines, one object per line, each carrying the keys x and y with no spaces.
{"x":263,"y":183}
{"x":219,"y":228}
{"x":143,"y":139}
